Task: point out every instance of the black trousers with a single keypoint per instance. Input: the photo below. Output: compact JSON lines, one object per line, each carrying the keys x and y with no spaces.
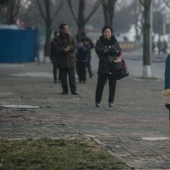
{"x":71,"y":73}
{"x":89,"y":68}
{"x":54,"y":61}
{"x":102,"y":78}
{"x":81,"y":70}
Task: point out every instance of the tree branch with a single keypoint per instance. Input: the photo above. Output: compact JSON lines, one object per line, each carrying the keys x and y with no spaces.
{"x":17,"y":8}
{"x":2,"y":12}
{"x":141,"y":2}
{"x":72,"y":11}
{"x":57,"y":11}
{"x":41,"y":11}
{"x":166,"y":3}
{"x":96,"y":6}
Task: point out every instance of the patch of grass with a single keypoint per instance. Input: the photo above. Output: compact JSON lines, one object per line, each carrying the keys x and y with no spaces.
{"x":47,"y":154}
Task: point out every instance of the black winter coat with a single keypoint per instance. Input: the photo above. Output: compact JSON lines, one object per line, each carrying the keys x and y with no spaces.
{"x":52,"y":51}
{"x":105,"y":48}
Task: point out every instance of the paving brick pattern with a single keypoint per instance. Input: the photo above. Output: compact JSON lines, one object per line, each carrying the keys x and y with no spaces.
{"x":138,"y":112}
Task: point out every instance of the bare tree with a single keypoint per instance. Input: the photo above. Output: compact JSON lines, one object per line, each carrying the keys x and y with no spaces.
{"x":167,"y":2}
{"x":10,"y":11}
{"x":81,"y":20}
{"x":146,"y":38}
{"x":108,"y":10}
{"x":48,"y":19}
{"x":137,"y":15}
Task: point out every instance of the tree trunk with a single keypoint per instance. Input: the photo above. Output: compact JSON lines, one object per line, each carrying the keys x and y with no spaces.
{"x":81,"y":28}
{"x":146,"y":37}
{"x":136,"y":9}
{"x":81,"y":18}
{"x":146,"y":40}
{"x":107,"y":18}
{"x":47,"y":47}
{"x":108,"y":10}
{"x":48,"y":31}
{"x":10,"y":12}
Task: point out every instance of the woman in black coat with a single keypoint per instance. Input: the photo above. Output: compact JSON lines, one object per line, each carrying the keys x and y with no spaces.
{"x":106,"y":47}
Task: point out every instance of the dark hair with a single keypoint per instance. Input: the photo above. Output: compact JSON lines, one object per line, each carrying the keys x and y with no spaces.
{"x":83,"y":34}
{"x":62,"y":26}
{"x":107,"y":27}
{"x":85,"y":39}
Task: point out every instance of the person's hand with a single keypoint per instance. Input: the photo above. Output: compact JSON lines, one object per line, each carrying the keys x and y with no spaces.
{"x":167,"y":106}
{"x":67,"y":49}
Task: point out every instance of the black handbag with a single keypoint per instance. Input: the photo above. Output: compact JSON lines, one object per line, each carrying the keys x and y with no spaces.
{"x":116,"y":65}
{"x":124,"y":72}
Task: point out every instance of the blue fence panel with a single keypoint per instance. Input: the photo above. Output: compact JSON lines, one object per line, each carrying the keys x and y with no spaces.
{"x":17,"y":46}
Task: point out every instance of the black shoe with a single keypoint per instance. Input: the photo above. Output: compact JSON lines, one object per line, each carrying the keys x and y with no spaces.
{"x":64,"y":92}
{"x":55,"y":81}
{"x":75,"y":93}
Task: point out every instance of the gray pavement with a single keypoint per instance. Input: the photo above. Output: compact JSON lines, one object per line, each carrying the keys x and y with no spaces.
{"x":136,"y":129}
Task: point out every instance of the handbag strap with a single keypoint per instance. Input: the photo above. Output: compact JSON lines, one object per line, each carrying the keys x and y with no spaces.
{"x":123,"y":60}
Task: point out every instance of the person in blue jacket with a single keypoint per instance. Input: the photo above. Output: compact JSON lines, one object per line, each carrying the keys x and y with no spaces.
{"x":82,"y":58}
{"x":166,"y":91}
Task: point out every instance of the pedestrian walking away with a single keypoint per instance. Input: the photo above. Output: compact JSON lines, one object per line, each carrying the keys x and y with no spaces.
{"x":82,"y":58}
{"x":164,"y":47}
{"x":88,"y":63}
{"x":107,"y":49}
{"x":166,"y":91}
{"x":53,"y":58}
{"x":65,"y":46}
{"x":159,"y":45}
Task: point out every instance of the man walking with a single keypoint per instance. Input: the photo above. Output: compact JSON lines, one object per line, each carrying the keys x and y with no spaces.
{"x":65,"y":46}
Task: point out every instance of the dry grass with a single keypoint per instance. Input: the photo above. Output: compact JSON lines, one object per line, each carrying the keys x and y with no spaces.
{"x":47,"y":154}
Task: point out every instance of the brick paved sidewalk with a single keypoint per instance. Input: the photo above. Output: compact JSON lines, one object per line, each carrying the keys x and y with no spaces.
{"x":122,"y":130}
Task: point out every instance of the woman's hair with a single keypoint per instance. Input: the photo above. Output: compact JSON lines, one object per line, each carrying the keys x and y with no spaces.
{"x":107,"y":27}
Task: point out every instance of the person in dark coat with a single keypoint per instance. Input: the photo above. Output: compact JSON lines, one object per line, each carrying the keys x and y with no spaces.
{"x":105,"y":47}
{"x":65,"y":46}
{"x":54,"y":60}
{"x":166,"y":91}
{"x":88,"y":65}
{"x":164,"y":47}
{"x":159,"y":45}
{"x":82,"y":58}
